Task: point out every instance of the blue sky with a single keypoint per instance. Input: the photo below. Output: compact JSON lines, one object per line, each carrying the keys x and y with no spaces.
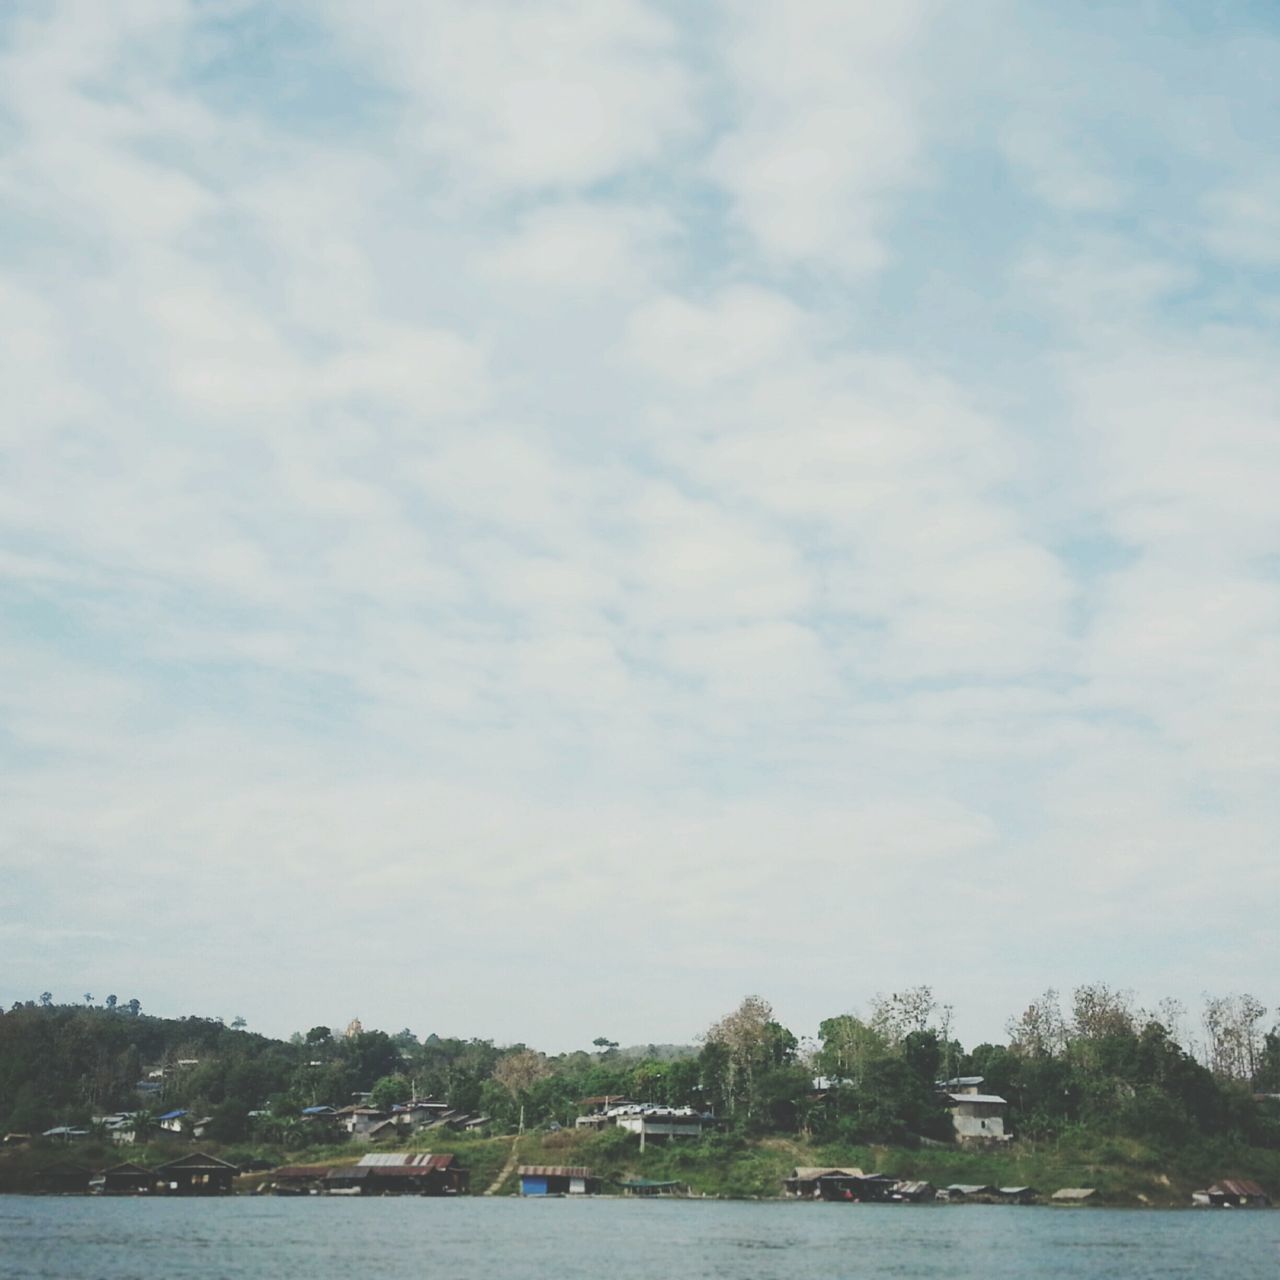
{"x":536,"y":520}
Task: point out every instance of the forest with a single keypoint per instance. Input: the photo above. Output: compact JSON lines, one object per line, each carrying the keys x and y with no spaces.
{"x":1093,"y":1062}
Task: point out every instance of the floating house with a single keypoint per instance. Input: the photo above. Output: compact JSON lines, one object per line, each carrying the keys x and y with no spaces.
{"x":1232,"y":1193}
{"x":557,"y":1180}
{"x":299,"y":1179}
{"x":850,"y":1185}
{"x":914,"y":1192}
{"x":970,"y":1192}
{"x":425,"y":1174}
{"x":1074,"y":1195}
{"x":645,"y":1187}
{"x":1017,"y":1195}
{"x":127,"y":1179}
{"x":198,"y":1174}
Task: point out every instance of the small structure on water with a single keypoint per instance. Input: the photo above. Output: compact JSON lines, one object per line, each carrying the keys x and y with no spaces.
{"x":299,"y":1179}
{"x":970,"y":1193}
{"x":198,"y":1174}
{"x":1232,"y":1193}
{"x":127,"y":1179}
{"x":557,"y":1180}
{"x":645,"y":1187}
{"x":1074,"y":1195}
{"x":850,"y":1185}
{"x":911,"y":1191}
{"x":1018,"y":1195}
{"x":400,"y":1174}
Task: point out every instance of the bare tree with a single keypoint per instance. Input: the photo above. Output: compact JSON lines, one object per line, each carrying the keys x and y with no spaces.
{"x":743,"y":1034}
{"x":1039,"y":1031}
{"x":1235,"y":1039}
{"x":896,"y":1016}
{"x":518,"y":1072}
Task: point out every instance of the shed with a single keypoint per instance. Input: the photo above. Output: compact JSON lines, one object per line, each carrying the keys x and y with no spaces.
{"x":127,"y":1179}
{"x":804,"y":1178}
{"x":973,"y":1192}
{"x":198,"y":1174}
{"x":914,"y":1192}
{"x":1074,"y":1195}
{"x":418,"y":1174}
{"x":299,"y":1179}
{"x":1239,"y":1193}
{"x":650,"y":1187}
{"x":557,"y":1180}
{"x":1018,"y":1195}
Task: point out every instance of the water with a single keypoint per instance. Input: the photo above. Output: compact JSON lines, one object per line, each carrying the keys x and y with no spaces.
{"x":239,"y":1238}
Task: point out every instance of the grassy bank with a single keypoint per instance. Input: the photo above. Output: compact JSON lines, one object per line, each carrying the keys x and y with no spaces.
{"x":1125,"y":1172}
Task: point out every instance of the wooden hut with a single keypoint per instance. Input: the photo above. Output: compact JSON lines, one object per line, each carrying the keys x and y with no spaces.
{"x":557,"y":1180}
{"x":127,"y":1179}
{"x":198,"y":1174}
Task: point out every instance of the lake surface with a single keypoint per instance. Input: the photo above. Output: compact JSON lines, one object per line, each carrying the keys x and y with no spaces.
{"x":242,"y":1238}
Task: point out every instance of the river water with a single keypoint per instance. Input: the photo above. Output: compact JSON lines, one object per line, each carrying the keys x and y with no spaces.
{"x":241,"y":1238}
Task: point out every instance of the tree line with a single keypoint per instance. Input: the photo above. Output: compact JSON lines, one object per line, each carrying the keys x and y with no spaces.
{"x":1094,"y":1061}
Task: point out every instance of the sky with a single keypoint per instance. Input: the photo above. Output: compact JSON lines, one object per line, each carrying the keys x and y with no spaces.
{"x":537,"y":520}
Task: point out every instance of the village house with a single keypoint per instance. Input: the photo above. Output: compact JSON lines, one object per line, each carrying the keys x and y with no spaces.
{"x":975,"y":1116}
{"x":171,"y":1121}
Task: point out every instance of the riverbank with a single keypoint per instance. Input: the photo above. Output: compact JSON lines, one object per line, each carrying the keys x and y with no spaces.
{"x":1124,"y":1172}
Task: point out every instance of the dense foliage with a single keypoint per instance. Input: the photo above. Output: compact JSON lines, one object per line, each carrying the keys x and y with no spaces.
{"x":1104,"y":1066}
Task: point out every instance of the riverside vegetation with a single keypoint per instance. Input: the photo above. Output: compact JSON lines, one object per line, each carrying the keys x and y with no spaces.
{"x":1101,"y":1093}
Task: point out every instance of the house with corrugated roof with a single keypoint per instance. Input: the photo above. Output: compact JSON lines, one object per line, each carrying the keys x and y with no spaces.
{"x":557,"y":1180}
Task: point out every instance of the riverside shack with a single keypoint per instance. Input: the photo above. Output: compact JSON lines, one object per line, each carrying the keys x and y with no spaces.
{"x":557,"y":1180}
{"x":198,"y":1174}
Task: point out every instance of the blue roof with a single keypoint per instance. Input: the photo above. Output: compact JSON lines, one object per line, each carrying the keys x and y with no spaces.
{"x":315,"y":1111}
{"x":171,"y":1115}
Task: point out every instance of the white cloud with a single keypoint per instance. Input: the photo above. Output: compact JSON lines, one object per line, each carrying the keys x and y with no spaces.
{"x":826,"y":130}
{"x":506,"y":96}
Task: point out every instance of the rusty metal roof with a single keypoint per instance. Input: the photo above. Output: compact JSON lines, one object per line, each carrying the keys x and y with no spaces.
{"x":396,"y":1159}
{"x":1237,"y":1187}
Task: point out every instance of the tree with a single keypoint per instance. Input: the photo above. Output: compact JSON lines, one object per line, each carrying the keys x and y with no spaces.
{"x":518,"y":1072}
{"x":390,"y":1090}
{"x":903,"y":1012}
{"x":1235,"y":1037}
{"x":740,"y":1048}
{"x":1039,"y":1031}
{"x":238,"y":1023}
{"x":46,"y":999}
{"x":111,"y":1003}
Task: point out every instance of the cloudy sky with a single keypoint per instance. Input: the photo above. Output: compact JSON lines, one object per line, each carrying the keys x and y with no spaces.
{"x":536,"y":519}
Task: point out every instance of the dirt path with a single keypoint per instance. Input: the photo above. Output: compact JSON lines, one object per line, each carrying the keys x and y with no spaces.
{"x":492,"y":1189}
